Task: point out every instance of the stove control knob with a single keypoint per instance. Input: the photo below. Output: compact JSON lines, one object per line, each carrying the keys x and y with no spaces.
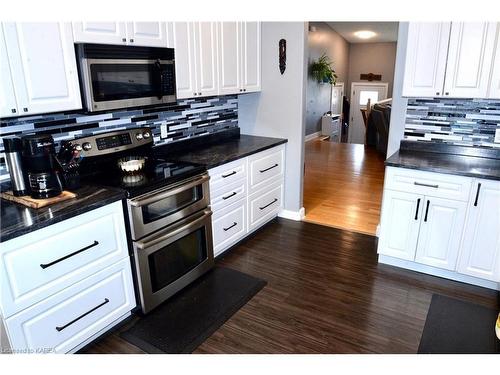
{"x":87,"y":146}
{"x":78,"y":147}
{"x":138,"y":136}
{"x":146,"y":135}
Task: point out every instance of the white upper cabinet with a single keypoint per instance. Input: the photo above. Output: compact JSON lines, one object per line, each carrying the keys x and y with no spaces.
{"x":206,"y":58}
{"x":470,"y":57}
{"x":150,"y":34}
{"x":494,"y":89}
{"x":100,"y":32}
{"x":43,"y":66}
{"x":426,"y":58}
{"x":8,"y":104}
{"x":480,"y":253}
{"x":185,"y":64}
{"x":230,"y":57}
{"x":251,"y":59}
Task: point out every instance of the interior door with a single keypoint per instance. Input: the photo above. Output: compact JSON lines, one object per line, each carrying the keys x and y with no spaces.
{"x":470,"y":57}
{"x":100,"y":32}
{"x":43,"y":63}
{"x":8,"y":104}
{"x":426,"y":54}
{"x":400,"y":223}
{"x":337,"y":98}
{"x":206,"y":58}
{"x":229,"y":58}
{"x":185,"y":64}
{"x":251,"y":57}
{"x":360,"y":93}
{"x":480,"y":254}
{"x":441,"y":232}
{"x":149,"y":34}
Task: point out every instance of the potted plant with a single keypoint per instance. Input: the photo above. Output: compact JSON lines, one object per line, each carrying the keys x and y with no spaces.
{"x":322,"y":70}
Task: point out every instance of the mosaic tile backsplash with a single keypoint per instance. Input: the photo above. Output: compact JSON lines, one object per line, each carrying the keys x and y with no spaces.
{"x":169,"y":122}
{"x":465,"y":122}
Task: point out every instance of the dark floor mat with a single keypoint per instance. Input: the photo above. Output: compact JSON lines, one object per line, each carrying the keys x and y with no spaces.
{"x":454,"y":326}
{"x":182,"y":323}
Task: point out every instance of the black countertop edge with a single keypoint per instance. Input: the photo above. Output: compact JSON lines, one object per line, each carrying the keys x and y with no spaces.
{"x":461,"y":165}
{"x":444,"y":148}
{"x":17,"y":220}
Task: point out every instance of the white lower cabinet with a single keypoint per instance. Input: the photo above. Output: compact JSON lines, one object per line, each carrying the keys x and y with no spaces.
{"x":243,"y":202}
{"x":456,"y":238}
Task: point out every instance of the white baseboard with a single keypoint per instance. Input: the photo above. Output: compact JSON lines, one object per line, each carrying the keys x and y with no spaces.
{"x":385,"y":259}
{"x":293,"y":215}
{"x":312,"y":136}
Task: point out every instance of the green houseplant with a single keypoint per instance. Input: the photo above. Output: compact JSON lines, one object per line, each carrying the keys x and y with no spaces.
{"x":322,"y":71}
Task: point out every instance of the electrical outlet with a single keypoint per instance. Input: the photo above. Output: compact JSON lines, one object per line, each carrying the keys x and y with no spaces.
{"x":497,"y":136}
{"x":163,"y":130}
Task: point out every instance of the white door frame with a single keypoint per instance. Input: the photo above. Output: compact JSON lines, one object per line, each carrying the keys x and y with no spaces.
{"x":385,"y":85}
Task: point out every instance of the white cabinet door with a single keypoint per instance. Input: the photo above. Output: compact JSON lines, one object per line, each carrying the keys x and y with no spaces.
{"x":206,"y":58}
{"x":185,"y":64}
{"x":150,"y":34}
{"x":230,"y":58}
{"x":494,"y":90}
{"x":470,"y":57}
{"x":100,"y":32}
{"x":251,"y":46}
{"x":43,"y":63}
{"x":441,"y":232}
{"x":169,"y":29}
{"x":480,"y":254}
{"x":8,"y":105}
{"x":426,"y":58}
{"x":400,"y":223}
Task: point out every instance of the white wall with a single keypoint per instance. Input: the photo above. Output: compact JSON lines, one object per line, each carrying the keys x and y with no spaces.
{"x":279,"y":109}
{"x":398,"y":111}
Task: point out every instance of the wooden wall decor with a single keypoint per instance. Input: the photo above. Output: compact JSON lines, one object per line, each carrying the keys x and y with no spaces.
{"x":282,"y":55}
{"x":370,"y":77}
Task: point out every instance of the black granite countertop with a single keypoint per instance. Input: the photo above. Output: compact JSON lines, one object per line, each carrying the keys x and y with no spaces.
{"x":226,"y":150}
{"x":17,"y":219}
{"x":462,"y":165}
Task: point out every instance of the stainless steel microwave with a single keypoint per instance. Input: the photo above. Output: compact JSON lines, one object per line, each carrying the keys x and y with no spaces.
{"x":114,"y":77}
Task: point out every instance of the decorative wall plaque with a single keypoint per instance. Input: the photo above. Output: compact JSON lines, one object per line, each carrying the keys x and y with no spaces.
{"x":282,"y":55}
{"x":370,"y":77}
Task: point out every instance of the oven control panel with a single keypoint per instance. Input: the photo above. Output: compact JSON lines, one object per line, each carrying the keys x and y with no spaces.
{"x":107,"y":143}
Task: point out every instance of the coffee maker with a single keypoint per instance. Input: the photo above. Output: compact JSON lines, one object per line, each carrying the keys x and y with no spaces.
{"x":40,"y":166}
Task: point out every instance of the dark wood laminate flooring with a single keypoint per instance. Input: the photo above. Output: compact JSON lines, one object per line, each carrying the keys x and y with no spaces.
{"x":325,"y":294}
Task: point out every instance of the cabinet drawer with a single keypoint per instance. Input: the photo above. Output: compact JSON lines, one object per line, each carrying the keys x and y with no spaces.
{"x":72,"y":316}
{"x":227,"y":173}
{"x":264,"y":205}
{"x":227,"y":195}
{"x":39,"y":264}
{"x":428,"y":183}
{"x":266,"y":167}
{"x":229,"y":226}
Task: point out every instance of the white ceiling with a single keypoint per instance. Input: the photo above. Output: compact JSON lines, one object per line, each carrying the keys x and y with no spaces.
{"x":386,"y":31}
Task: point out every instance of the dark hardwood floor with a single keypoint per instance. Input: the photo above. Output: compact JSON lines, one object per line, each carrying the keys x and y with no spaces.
{"x":325,"y":294}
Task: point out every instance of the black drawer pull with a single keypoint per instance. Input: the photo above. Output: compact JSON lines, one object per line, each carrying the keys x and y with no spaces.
{"x":427,"y":211}
{"x":231,"y":226}
{"x":265,"y":170}
{"x":229,"y":196}
{"x":416,"y":212}
{"x":229,"y":174}
{"x":267,"y":205}
{"x":69,"y":255}
{"x":477,"y":194}
{"x":59,"y":329}
{"x":426,"y":185}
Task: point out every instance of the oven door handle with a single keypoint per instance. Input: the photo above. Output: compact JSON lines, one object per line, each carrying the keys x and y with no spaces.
{"x":143,"y":245}
{"x":151,"y":198}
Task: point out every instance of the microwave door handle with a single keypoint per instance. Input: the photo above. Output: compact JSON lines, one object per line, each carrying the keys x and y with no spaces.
{"x":192,"y":224}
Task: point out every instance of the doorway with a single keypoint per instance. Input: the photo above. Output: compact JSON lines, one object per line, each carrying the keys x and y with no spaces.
{"x":361,"y":92}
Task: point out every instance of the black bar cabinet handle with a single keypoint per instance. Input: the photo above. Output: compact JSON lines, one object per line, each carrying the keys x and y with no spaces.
{"x":477,"y":194}
{"x":267,"y":205}
{"x":416,"y":212}
{"x":265,"y":170}
{"x":59,"y":329}
{"x":427,"y":211}
{"x":229,"y":196}
{"x":229,"y":174}
{"x":229,"y":227}
{"x":69,"y":255}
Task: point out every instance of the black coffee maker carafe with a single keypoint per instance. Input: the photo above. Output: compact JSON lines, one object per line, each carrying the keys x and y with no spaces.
{"x":38,"y":153}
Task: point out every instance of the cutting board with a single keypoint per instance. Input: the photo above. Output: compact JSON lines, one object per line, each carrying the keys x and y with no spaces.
{"x":26,"y":200}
